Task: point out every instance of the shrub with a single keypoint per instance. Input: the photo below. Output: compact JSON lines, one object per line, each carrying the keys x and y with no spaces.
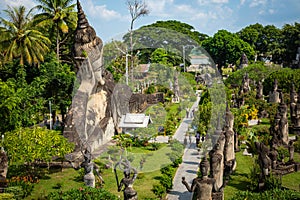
{"x":83,"y":193}
{"x":159,"y":190}
{"x":166,"y":181}
{"x":6,"y":196}
{"x":275,"y":194}
{"x":19,"y":188}
{"x":282,"y":153}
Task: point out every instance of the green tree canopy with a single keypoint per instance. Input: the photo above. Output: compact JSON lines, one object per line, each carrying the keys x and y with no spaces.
{"x":20,"y":40}
{"x":225,"y":47}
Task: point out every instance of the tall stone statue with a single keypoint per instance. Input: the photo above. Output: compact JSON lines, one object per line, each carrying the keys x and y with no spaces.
{"x":246,"y":84}
{"x":229,"y":154}
{"x":89,"y":122}
{"x":244,"y":61}
{"x":217,"y":163}
{"x":263,"y":159}
{"x":293,"y":105}
{"x":259,"y":90}
{"x":283,"y":123}
{"x":201,"y":186}
{"x":274,"y":95}
{"x":176,"y":91}
{"x":3,"y":165}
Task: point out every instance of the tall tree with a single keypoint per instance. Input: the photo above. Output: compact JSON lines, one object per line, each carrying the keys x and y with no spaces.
{"x":59,"y":16}
{"x":137,"y":9}
{"x":225,"y":48}
{"x":19,"y":39}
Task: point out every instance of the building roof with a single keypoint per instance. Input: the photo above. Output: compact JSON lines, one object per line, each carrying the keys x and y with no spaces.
{"x":133,"y":120}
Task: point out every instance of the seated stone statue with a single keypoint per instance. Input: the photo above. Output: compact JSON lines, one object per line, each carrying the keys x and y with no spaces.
{"x":201,"y":186}
{"x":127,"y":182}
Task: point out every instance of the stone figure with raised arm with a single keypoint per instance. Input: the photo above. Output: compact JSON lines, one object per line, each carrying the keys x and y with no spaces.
{"x":127,"y":181}
{"x":201,"y":186}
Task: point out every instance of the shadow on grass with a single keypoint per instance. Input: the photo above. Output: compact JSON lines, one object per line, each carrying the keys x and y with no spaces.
{"x":239,"y":181}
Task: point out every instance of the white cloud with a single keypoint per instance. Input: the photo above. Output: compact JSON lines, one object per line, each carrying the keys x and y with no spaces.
{"x":158,"y":7}
{"x":209,"y":2}
{"x":256,"y":3}
{"x":100,"y":11}
{"x":242,"y":2}
{"x":15,"y":3}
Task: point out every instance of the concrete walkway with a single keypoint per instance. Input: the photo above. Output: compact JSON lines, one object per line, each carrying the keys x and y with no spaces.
{"x":190,"y":161}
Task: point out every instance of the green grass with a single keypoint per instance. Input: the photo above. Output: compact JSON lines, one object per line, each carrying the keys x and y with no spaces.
{"x":68,"y":179}
{"x":239,"y":180}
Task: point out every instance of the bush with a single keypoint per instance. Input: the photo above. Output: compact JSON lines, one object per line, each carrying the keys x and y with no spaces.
{"x":6,"y":196}
{"x":82,"y":193}
{"x":275,"y":194}
{"x":282,"y":153}
{"x":166,"y":181}
{"x":19,"y":188}
{"x":159,"y":190}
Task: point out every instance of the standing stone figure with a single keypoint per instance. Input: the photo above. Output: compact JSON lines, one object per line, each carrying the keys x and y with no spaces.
{"x":291,"y":150}
{"x":283,"y":123}
{"x":3,"y":165}
{"x":244,"y":61}
{"x":89,"y":167}
{"x":293,"y":105}
{"x":245,"y":84}
{"x":229,"y":154}
{"x":263,"y":159}
{"x":201,"y":186}
{"x":274,"y":95}
{"x":217,"y":163}
{"x":127,"y":182}
{"x":259,"y":90}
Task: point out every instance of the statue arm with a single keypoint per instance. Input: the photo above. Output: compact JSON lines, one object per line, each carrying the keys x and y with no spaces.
{"x":120,"y":186}
{"x":186,"y":184}
{"x":97,"y":172}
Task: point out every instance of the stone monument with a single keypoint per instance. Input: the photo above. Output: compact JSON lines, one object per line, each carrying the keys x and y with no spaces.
{"x":274,"y":95}
{"x":89,"y":168}
{"x":201,"y":186}
{"x":127,"y":181}
{"x":244,"y":61}
{"x":217,"y":167}
{"x":259,"y":90}
{"x":293,"y":105}
{"x":3,"y":164}
{"x":283,"y":123}
{"x":229,"y":154}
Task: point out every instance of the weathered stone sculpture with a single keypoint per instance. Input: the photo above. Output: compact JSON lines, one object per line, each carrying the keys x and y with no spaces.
{"x":273,"y":155}
{"x":296,"y":126}
{"x":274,"y":95}
{"x":283,"y":123}
{"x":89,"y":122}
{"x":127,"y":181}
{"x":217,"y":163}
{"x":201,"y":186}
{"x":229,"y":154}
{"x":293,"y":105}
{"x":291,"y":150}
{"x":245,"y":84}
{"x":259,"y":90}
{"x":244,"y":61}
{"x":3,"y":165}
{"x":263,"y":159}
{"x":89,"y":168}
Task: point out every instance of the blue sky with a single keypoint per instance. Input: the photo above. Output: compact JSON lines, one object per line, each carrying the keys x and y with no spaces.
{"x":111,"y":18}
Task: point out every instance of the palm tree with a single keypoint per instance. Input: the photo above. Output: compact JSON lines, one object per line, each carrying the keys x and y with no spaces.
{"x":19,"y":39}
{"x":59,"y":16}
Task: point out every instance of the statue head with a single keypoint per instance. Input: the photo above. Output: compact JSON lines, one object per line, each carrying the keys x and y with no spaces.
{"x":204,"y":166}
{"x":126,"y":172}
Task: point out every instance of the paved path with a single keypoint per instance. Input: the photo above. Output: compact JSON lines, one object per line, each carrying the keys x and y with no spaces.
{"x":190,"y":162}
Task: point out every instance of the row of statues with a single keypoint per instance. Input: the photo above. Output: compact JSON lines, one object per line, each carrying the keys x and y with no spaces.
{"x":221,"y":164}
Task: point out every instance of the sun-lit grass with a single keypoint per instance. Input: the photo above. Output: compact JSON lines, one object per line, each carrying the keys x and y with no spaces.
{"x":68,"y":179}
